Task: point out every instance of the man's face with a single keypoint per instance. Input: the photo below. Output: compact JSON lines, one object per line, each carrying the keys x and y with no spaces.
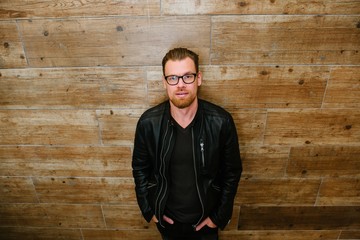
{"x":182,"y":95}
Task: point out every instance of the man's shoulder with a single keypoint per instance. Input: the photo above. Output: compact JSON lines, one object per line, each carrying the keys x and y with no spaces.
{"x":213,"y":109}
{"x":155,"y":111}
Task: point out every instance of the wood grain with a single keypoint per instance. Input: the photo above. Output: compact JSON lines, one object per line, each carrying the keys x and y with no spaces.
{"x":48,"y":8}
{"x":125,"y":217}
{"x":48,"y":127}
{"x":60,"y":161}
{"x":276,"y":192}
{"x":310,"y":126}
{"x":118,"y":125}
{"x":264,"y":161}
{"x":118,"y":234}
{"x":250,"y":125}
{"x":17,"y":190}
{"x":343,"y":90}
{"x":280,"y":234}
{"x":285,"y":40}
{"x":51,"y":215}
{"x":111,"y":41}
{"x":254,"y":7}
{"x":85,"y":190}
{"x":299,"y":218}
{"x":264,"y":86}
{"x":30,"y":233}
{"x":72,"y":88}
{"x":324,"y":161}
{"x":12,"y":53}
{"x":350,"y":235}
{"x":339,"y":192}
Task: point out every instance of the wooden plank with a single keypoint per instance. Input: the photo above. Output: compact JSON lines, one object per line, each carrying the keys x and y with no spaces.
{"x":85,"y":190}
{"x":339,"y":192}
{"x":80,"y":161}
{"x":118,"y":125}
{"x":324,"y":161}
{"x":265,"y":86}
{"x":17,"y":190}
{"x":232,"y":225}
{"x":250,"y":125}
{"x":285,"y":40}
{"x":51,"y":215}
{"x":277,"y":192}
{"x":299,"y":218}
{"x":120,"y":234}
{"x":48,"y":127}
{"x":156,"y":90}
{"x":111,"y":41}
{"x":12,"y":53}
{"x":125,"y":217}
{"x":283,"y":235}
{"x":30,"y":233}
{"x":350,"y":235}
{"x":174,"y":7}
{"x":264,"y":161}
{"x":312,"y":126}
{"x":343,"y":90}
{"x":48,"y":8}
{"x":72,"y":88}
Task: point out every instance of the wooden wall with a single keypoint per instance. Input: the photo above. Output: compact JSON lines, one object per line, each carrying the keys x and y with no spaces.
{"x":76,"y":75}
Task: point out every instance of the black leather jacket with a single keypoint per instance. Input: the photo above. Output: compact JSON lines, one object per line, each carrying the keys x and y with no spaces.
{"x":216,"y":160}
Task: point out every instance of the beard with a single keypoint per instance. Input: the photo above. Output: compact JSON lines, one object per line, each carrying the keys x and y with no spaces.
{"x":183,"y":103}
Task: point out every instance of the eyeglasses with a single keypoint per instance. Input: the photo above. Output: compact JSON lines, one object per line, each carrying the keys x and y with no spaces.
{"x":174,"y":79}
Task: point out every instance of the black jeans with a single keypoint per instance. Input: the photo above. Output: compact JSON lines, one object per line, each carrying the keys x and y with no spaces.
{"x":182,"y":231}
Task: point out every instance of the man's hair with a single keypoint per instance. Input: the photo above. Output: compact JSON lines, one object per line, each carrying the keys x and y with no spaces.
{"x":178,"y":54}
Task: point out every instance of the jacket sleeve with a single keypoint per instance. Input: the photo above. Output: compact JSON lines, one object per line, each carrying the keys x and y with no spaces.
{"x":141,"y":166}
{"x":231,"y":168}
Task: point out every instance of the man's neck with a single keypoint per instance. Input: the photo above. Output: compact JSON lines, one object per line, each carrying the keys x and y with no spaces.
{"x":184,"y":116}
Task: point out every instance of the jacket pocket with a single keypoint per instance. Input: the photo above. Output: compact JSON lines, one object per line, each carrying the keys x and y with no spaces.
{"x":213,"y":196}
{"x":151,"y":188}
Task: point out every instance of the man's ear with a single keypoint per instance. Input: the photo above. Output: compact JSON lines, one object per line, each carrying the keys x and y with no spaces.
{"x":164,"y":82}
{"x":199,"y":78}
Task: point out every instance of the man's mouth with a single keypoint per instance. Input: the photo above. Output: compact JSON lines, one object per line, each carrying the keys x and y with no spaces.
{"x":181,"y":94}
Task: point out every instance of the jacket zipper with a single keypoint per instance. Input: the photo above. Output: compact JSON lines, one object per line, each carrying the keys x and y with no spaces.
{"x":162,"y":174}
{"x":202,"y":153}
{"x":196,"y":177}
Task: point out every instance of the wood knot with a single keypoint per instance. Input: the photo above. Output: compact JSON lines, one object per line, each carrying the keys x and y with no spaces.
{"x":6,"y":44}
{"x":119,"y":28}
{"x":348,"y":127}
{"x":264,"y":72}
{"x":46,"y":33}
{"x":301,"y":82}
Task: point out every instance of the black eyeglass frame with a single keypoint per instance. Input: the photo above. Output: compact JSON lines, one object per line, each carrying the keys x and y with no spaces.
{"x":182,"y":78}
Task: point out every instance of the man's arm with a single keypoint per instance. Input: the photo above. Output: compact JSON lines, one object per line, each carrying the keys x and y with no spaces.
{"x":141,"y":172}
{"x":231,"y":168}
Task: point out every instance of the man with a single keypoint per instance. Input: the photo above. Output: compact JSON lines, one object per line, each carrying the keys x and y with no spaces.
{"x":186,"y":160}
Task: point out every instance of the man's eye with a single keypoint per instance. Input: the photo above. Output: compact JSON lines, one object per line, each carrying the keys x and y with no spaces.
{"x":173,"y":78}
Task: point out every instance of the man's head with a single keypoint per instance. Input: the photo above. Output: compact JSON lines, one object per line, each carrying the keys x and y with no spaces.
{"x":178,"y":54}
{"x":182,"y":77}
